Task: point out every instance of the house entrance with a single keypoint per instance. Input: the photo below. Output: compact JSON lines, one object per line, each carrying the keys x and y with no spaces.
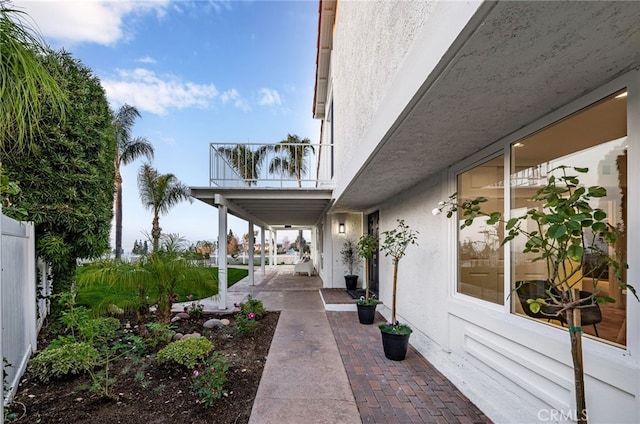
{"x":373,"y":229}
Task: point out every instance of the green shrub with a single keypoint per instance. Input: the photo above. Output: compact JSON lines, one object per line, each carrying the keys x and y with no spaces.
{"x":208,"y":383}
{"x":186,"y":352}
{"x":159,"y":333}
{"x":246,"y":324}
{"x":73,"y":317}
{"x":132,"y":346}
{"x":99,"y":330}
{"x":254,"y":306}
{"x":64,"y":359}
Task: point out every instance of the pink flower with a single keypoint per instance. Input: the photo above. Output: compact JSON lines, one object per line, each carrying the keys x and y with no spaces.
{"x":252,"y":315}
{"x":196,"y":373}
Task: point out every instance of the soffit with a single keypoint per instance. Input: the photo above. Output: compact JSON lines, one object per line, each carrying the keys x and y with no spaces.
{"x":521,"y":62}
{"x":271,"y":208}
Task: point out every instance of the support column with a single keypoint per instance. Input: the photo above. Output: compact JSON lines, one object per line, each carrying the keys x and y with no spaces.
{"x":251,"y":254}
{"x":274,"y":247}
{"x":222,"y":256}
{"x":262,"y":255}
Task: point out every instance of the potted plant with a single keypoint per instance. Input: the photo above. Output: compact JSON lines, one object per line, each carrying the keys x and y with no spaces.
{"x":395,"y":336}
{"x":350,"y":260}
{"x":564,"y":221}
{"x":367,"y":246}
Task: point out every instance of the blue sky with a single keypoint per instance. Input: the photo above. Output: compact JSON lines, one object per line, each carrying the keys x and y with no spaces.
{"x":199,"y":72}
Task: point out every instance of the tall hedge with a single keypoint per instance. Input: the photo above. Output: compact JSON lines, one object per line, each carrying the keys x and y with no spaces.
{"x":67,"y":181}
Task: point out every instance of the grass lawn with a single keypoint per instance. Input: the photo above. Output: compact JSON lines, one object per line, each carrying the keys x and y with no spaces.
{"x":90,"y":296}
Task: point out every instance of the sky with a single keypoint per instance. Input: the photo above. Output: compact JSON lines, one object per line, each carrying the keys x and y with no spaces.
{"x":198,"y":72}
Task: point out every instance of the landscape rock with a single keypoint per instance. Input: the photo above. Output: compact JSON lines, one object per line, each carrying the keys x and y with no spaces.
{"x":183,"y":315}
{"x":213,"y":323}
{"x":177,"y":336}
{"x":188,"y":336}
{"x":225,"y":321}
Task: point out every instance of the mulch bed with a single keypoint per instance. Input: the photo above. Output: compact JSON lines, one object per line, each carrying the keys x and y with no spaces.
{"x":148,"y":393}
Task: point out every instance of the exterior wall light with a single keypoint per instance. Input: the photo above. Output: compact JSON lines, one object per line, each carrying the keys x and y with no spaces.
{"x":341,"y":228}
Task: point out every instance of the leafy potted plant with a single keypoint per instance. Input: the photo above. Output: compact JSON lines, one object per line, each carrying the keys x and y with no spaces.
{"x":367,"y":246}
{"x":350,"y":260}
{"x":563,"y":220}
{"x":395,"y":336}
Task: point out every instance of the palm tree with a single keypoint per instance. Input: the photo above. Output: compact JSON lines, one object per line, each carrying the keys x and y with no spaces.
{"x":128,"y":149}
{"x":154,"y":280}
{"x":27,"y":89}
{"x":246,"y":161}
{"x":292,"y":160}
{"x":159,"y":193}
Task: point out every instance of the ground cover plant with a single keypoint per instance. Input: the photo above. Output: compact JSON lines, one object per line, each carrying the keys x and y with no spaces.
{"x":103,"y":370}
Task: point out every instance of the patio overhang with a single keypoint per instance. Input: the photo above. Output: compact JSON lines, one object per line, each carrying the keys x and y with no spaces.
{"x":271,"y":208}
{"x":506,"y":66}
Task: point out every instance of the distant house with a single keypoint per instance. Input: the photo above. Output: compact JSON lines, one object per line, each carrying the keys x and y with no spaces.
{"x":421,"y":99}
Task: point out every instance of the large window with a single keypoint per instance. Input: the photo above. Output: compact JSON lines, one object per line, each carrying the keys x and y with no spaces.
{"x":594,"y":138}
{"x":480,"y":256}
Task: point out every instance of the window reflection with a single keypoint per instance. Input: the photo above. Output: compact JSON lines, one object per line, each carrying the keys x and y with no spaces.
{"x":596,"y":138}
{"x":480,"y":256}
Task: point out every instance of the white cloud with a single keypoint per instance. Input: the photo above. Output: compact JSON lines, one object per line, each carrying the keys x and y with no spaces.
{"x":94,"y":21}
{"x":147,"y":59}
{"x":268,"y":97}
{"x":156,"y":93}
{"x":238,"y":101}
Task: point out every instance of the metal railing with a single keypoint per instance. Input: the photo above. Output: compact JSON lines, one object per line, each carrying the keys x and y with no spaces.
{"x":253,"y":165}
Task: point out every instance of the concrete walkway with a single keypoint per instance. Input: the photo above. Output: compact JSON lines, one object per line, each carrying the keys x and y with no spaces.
{"x":304,"y":380}
{"x":318,"y":360}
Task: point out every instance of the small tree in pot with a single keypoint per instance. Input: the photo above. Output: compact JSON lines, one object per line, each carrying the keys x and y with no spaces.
{"x":350,"y":260}
{"x":564,"y":223}
{"x":395,"y":336}
{"x":367,"y":246}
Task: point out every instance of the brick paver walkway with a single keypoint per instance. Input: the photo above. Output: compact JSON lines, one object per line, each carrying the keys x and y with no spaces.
{"x":387,"y":392}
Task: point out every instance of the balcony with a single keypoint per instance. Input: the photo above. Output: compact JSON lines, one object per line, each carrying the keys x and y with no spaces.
{"x":260,"y":166}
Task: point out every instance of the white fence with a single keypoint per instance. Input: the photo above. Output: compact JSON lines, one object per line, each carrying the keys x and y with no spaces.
{"x":24,"y":290}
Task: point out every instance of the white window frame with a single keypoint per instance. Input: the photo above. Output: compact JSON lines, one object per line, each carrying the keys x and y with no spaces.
{"x":630,"y":81}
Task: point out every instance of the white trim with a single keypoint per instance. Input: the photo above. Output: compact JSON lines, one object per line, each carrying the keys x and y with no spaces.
{"x":632,"y":81}
{"x":502,"y":147}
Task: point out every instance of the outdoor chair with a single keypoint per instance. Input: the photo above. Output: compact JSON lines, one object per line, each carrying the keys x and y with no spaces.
{"x":536,"y":289}
{"x":305,"y":265}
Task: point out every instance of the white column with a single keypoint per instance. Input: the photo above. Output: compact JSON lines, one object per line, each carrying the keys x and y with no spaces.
{"x":262,"y":256}
{"x":222,"y":256}
{"x":251,"y":254}
{"x":274,"y":247}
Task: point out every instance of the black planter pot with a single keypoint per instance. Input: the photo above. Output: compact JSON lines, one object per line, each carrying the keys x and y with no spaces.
{"x":351,"y":281}
{"x":366,"y":313}
{"x":395,"y":345}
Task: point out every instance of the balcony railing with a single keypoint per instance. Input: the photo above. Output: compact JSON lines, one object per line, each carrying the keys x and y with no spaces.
{"x":252,"y":165}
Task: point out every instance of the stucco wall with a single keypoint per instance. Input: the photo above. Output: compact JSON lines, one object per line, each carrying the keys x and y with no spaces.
{"x":511,"y":367}
{"x":370,"y":42}
{"x":353,"y":230}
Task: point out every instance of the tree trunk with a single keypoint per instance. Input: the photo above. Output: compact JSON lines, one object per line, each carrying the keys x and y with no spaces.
{"x":393,"y":295}
{"x":575,"y":333}
{"x":118,"y":207}
{"x":366,"y":279}
{"x":155,"y":233}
